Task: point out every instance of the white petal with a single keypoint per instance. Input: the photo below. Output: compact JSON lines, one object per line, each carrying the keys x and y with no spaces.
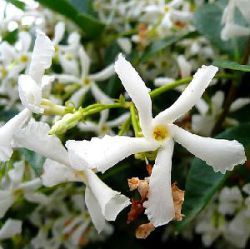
{"x":232,"y":30}
{"x":6,"y":202}
{"x":118,"y":121}
{"x":125,"y":44}
{"x":7,"y":131}
{"x":32,"y":185}
{"x":55,"y":173}
{"x":221,"y":154}
{"x":162,"y":81}
{"x":203,"y":125}
{"x":88,"y":126}
{"x":59,"y":32}
{"x":244,"y":8}
{"x":184,"y":65}
{"x":138,"y":92}
{"x":10,"y":228}
{"x":239,"y":103}
{"x":85,"y":62}
{"x":16,"y":174}
{"x":25,"y":39}
{"x":217,"y":101}
{"x":41,"y":57}
{"x":99,"y":95}
{"x":74,"y":39}
{"x":110,"y":150}
{"x":70,"y":66}
{"x":160,"y":206}
{"x":35,"y":136}
{"x":30,"y":93}
{"x":111,"y":202}
{"x":38,"y":198}
{"x":190,"y":96}
{"x":78,"y":233}
{"x":202,"y":106}
{"x":94,"y":210}
{"x":7,"y":53}
{"x":106,"y":73}
{"x":78,"y":96}
{"x":66,"y":78}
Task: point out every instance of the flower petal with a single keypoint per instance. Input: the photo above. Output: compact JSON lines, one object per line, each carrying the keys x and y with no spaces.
{"x":59,"y":32}
{"x":35,"y":136}
{"x":78,"y":96}
{"x":41,"y":57}
{"x":55,"y":173}
{"x":221,"y":154}
{"x":160,"y":206}
{"x":138,"y":92}
{"x":6,"y":202}
{"x":110,"y":150}
{"x":190,"y":95}
{"x":99,"y":95}
{"x":10,"y":228}
{"x":239,"y":103}
{"x":85,"y":62}
{"x":104,"y":74}
{"x":30,"y":93}
{"x":7,"y":132}
{"x":94,"y":210}
{"x":111,"y":202}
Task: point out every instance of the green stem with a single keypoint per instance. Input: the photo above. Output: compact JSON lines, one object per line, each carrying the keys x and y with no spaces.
{"x":125,"y":127}
{"x":170,"y":86}
{"x":135,"y":121}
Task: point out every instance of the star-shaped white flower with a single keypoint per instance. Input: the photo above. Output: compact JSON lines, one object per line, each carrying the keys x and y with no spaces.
{"x":7,"y":131}
{"x":30,"y":85}
{"x":203,"y":123}
{"x":13,"y":187}
{"x":159,"y":134}
{"x":87,"y":81}
{"x":10,"y":228}
{"x":102,"y":202}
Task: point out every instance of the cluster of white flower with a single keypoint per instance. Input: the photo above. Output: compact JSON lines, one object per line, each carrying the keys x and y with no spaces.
{"x":228,"y":217}
{"x":47,"y":77}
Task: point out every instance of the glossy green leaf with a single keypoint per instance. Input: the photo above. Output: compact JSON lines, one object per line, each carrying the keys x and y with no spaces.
{"x":35,"y":160}
{"x":87,"y":23}
{"x":160,"y":45}
{"x":202,"y":182}
{"x":17,"y":3}
{"x":232,"y":65}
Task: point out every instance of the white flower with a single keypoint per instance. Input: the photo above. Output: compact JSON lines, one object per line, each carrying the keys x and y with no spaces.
{"x":30,"y":85}
{"x":7,"y":131}
{"x":87,"y":81}
{"x":232,"y":29}
{"x":14,"y":187}
{"x":210,"y":225}
{"x":67,"y":54}
{"x":238,"y":230}
{"x":230,"y":199}
{"x":10,"y":228}
{"x":103,"y":126}
{"x":159,"y":133}
{"x":204,"y":122}
{"x":102,"y":202}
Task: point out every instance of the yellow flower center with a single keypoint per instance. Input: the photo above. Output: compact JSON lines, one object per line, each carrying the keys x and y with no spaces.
{"x":86,"y":81}
{"x":24,"y":58}
{"x":160,"y":132}
{"x":166,"y":8}
{"x":69,"y":56}
{"x":3,"y":72}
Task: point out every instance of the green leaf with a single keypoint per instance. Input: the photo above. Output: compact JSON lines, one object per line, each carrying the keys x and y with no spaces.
{"x":202,"y":182}
{"x":232,"y":65}
{"x":87,"y":23}
{"x":35,"y":160}
{"x":17,"y":3}
{"x":207,"y":20}
{"x":164,"y":43}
